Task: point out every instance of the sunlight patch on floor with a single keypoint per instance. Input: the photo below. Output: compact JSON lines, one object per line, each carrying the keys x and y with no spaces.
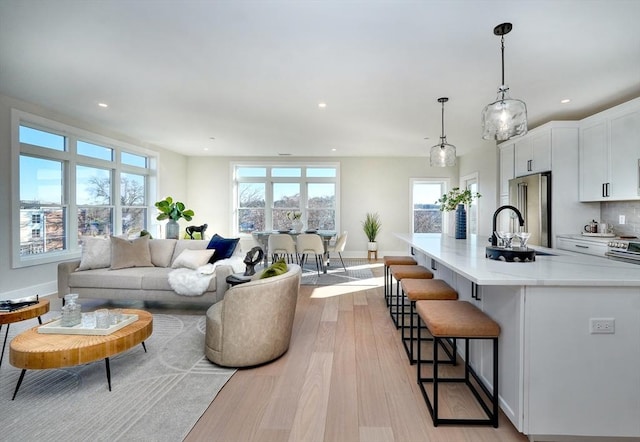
{"x":328,"y":291}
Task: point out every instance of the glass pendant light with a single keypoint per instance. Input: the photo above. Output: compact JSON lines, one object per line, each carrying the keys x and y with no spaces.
{"x":506,"y":117}
{"x":443,"y":154}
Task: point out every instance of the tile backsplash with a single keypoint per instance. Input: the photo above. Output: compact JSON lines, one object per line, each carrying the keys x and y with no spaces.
{"x":610,"y":213}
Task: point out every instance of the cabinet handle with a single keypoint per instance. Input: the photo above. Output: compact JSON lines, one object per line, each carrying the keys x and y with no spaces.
{"x":474,"y":291}
{"x":433,"y":265}
{"x":603,"y":191}
{"x":608,"y":185}
{"x":529,"y":165}
{"x":582,"y":247}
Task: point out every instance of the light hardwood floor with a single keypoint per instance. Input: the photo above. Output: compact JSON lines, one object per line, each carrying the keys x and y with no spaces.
{"x":345,"y":377}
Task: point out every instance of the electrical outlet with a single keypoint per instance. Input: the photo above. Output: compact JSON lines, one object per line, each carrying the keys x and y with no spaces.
{"x":621,"y":219}
{"x":602,"y":325}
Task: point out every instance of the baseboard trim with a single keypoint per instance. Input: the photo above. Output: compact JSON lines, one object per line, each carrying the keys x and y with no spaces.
{"x":44,"y":289}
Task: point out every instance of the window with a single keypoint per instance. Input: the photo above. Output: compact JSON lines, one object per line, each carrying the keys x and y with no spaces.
{"x":426,"y":216}
{"x":265,"y":194}
{"x":67,"y":181}
{"x":471,"y":182}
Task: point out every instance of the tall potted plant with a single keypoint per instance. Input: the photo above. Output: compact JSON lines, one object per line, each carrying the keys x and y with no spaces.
{"x":457,"y":199}
{"x":173,"y":211}
{"x":371,"y":226}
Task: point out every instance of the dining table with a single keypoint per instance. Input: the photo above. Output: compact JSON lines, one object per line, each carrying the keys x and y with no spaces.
{"x":262,"y":238}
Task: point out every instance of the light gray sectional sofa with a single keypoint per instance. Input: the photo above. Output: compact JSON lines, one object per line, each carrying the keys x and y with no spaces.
{"x":146,"y":283}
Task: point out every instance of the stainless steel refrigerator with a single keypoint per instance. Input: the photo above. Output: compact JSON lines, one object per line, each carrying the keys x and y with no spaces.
{"x":531,"y":194}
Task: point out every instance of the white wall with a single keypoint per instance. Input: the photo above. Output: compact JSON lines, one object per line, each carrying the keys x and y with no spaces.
{"x":367,"y":185}
{"x":484,"y":160}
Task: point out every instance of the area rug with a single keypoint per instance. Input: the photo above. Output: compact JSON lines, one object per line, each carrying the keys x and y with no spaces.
{"x":358,"y":273}
{"x":156,"y":396}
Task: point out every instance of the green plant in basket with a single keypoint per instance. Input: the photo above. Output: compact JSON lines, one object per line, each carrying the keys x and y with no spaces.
{"x":450,"y":200}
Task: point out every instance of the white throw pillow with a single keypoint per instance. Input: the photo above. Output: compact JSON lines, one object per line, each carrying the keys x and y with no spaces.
{"x":96,"y":253}
{"x":192,"y":259}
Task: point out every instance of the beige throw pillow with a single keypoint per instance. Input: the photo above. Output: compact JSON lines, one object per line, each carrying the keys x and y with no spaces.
{"x":96,"y":253}
{"x":192,"y":259}
{"x":127,"y":253}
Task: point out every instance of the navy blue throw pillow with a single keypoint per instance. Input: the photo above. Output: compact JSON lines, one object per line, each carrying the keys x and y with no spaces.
{"x":224,"y":247}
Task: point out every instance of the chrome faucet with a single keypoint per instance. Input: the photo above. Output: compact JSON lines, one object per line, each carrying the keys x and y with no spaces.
{"x":494,"y":239}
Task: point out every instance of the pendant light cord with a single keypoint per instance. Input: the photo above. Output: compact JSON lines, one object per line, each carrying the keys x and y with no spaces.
{"x":502,"y":45}
{"x":442,"y":137}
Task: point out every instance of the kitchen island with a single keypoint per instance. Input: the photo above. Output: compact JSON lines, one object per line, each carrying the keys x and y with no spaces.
{"x":570,"y":335}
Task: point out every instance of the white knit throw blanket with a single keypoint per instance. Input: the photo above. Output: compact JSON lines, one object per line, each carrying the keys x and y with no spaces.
{"x":189,"y":282}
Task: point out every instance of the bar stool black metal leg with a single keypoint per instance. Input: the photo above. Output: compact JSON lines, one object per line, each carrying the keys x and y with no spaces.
{"x":6,"y":333}
{"x":39,"y":320}
{"x":106,"y":361}
{"x":24,"y":370}
{"x":144,"y":346}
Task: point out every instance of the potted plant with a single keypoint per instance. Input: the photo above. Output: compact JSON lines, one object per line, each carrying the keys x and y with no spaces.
{"x":173,"y":210}
{"x":371,"y":226}
{"x":457,"y":199}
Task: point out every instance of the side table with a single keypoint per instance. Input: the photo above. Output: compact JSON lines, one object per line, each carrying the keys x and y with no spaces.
{"x":29,"y":312}
{"x":237,"y":278}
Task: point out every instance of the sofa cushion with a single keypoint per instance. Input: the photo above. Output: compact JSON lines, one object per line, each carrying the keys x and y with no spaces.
{"x":162,"y":251}
{"x":127,"y":253}
{"x":277,"y":268}
{"x":130,"y":278}
{"x":191,"y":244}
{"x":96,"y":253}
{"x":224,"y":247}
{"x":192,"y":259}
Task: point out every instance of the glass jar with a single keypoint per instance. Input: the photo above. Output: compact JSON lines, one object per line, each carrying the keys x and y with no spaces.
{"x":71,"y":313}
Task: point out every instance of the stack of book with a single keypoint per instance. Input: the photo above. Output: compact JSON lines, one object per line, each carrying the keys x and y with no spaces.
{"x":11,"y":305}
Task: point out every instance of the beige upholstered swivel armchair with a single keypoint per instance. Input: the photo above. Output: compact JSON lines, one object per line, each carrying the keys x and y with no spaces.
{"x":252,"y":324}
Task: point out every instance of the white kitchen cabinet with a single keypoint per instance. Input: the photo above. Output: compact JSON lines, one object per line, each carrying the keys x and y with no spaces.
{"x":586,"y":246}
{"x":533,"y":153}
{"x":609,"y":154}
{"x":554,"y":143}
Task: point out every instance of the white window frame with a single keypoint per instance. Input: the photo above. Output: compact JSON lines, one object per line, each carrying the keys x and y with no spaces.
{"x":446,"y":184}
{"x":269,"y":180}
{"x":70,"y":159}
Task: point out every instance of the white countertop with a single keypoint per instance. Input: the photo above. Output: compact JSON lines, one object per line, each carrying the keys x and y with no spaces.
{"x":467,"y":257}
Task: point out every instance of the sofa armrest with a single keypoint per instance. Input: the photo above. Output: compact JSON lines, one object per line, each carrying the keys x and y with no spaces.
{"x":221,"y":280}
{"x":64,"y":270}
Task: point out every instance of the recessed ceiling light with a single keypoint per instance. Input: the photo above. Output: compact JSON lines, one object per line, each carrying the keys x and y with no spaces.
{"x":334,"y":149}
{"x":322,"y":105}
{"x":205,"y":149}
{"x":565,"y":101}
{"x":103,"y":105}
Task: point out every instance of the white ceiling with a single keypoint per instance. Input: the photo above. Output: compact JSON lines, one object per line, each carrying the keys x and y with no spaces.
{"x":251,"y":73}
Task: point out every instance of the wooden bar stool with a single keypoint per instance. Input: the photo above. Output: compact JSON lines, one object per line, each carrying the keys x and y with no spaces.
{"x":399,"y":272}
{"x":459,"y":320}
{"x":420,"y":290}
{"x":389,"y":261}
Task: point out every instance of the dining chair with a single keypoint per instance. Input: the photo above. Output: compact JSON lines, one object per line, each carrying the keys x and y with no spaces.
{"x":338,"y":247}
{"x":311,"y":244}
{"x":282,"y":245}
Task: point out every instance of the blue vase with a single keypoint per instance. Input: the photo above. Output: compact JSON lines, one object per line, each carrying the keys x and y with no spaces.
{"x":461,"y":222}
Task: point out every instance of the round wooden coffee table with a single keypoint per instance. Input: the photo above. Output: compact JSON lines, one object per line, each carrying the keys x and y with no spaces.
{"x":31,"y":350}
{"x":29,"y":312}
